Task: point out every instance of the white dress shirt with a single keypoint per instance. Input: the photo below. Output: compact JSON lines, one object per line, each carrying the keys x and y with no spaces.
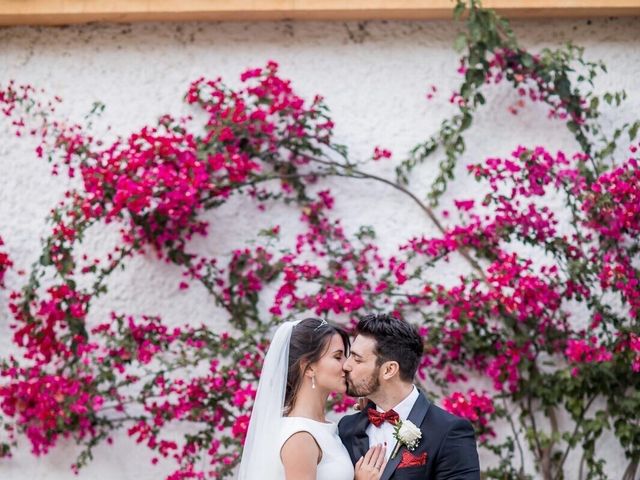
{"x":384,"y":433}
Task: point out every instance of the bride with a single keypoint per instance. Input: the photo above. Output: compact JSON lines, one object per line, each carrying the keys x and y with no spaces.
{"x":288,"y":436}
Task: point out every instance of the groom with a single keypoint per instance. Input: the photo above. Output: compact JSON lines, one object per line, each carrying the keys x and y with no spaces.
{"x":382,"y":365}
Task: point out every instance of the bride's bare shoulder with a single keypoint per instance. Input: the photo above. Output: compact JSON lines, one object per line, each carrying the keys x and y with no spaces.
{"x":300,"y":455}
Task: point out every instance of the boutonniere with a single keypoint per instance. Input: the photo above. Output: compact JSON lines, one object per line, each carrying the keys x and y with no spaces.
{"x":407,"y":434}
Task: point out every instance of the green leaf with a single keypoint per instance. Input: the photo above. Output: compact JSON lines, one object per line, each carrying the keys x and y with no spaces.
{"x":458,"y":10}
{"x":45,"y":258}
{"x":563,"y":87}
{"x":460,"y":42}
{"x":475,"y":30}
{"x":466,"y":122}
{"x":527,"y":60}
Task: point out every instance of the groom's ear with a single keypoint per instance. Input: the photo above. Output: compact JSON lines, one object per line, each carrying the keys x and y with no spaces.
{"x":389,"y":369}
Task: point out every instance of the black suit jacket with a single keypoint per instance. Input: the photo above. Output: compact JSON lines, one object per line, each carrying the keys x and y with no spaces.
{"x":448,"y":441}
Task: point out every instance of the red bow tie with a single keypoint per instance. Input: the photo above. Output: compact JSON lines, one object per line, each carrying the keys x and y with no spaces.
{"x":378,"y":418}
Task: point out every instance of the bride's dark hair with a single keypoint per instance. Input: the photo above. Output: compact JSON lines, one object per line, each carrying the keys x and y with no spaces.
{"x":309,"y":342}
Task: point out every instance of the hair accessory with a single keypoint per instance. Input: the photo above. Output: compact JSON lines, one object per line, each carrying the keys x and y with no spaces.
{"x":323,"y":323}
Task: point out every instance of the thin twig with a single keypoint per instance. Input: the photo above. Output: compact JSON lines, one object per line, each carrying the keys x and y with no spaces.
{"x":573,"y":434}
{"x":350,"y":172}
{"x":515,"y":436}
{"x":630,"y":472}
{"x":534,"y":428}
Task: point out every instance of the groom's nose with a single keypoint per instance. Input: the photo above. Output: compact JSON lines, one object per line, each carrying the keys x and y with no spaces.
{"x":346,"y":366}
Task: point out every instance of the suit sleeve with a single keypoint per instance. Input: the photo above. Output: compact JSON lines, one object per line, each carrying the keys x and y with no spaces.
{"x":343,"y":433}
{"x":458,"y":456}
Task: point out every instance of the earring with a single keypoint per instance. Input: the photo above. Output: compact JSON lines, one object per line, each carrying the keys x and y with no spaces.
{"x":313,"y":382}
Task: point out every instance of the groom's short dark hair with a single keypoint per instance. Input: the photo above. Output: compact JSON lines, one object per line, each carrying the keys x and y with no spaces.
{"x":396,"y":340}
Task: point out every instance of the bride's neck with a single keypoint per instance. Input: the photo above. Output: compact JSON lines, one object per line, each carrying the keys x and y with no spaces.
{"x":309,"y":403}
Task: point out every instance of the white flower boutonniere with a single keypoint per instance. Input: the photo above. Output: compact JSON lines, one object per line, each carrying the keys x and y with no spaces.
{"x":407,"y":434}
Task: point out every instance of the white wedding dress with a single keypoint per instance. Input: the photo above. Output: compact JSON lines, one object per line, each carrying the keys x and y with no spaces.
{"x":335,"y":463}
{"x":269,"y":429}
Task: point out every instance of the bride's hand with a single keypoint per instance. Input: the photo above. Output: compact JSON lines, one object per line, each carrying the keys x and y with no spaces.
{"x":361,"y":403}
{"x":371,"y":466}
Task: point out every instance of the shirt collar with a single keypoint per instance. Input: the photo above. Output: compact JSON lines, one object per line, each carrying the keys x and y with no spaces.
{"x":404,"y":407}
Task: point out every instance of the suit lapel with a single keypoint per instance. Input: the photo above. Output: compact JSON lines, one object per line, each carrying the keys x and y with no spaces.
{"x":360,"y":439}
{"x":416,"y":416}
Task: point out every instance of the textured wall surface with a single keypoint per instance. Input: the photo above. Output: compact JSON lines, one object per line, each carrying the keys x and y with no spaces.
{"x":374,"y":77}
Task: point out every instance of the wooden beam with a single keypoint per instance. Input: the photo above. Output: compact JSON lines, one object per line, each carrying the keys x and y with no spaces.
{"x":56,"y":12}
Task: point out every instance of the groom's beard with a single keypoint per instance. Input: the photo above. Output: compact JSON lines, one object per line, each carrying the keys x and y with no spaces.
{"x":365,"y":387}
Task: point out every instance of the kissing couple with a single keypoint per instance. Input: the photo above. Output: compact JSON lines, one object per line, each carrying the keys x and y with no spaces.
{"x":398,"y":434}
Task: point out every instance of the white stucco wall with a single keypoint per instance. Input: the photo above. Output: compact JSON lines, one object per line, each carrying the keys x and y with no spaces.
{"x":374,"y":77}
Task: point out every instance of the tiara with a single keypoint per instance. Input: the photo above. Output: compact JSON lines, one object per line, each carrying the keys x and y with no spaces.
{"x":322,"y":323}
